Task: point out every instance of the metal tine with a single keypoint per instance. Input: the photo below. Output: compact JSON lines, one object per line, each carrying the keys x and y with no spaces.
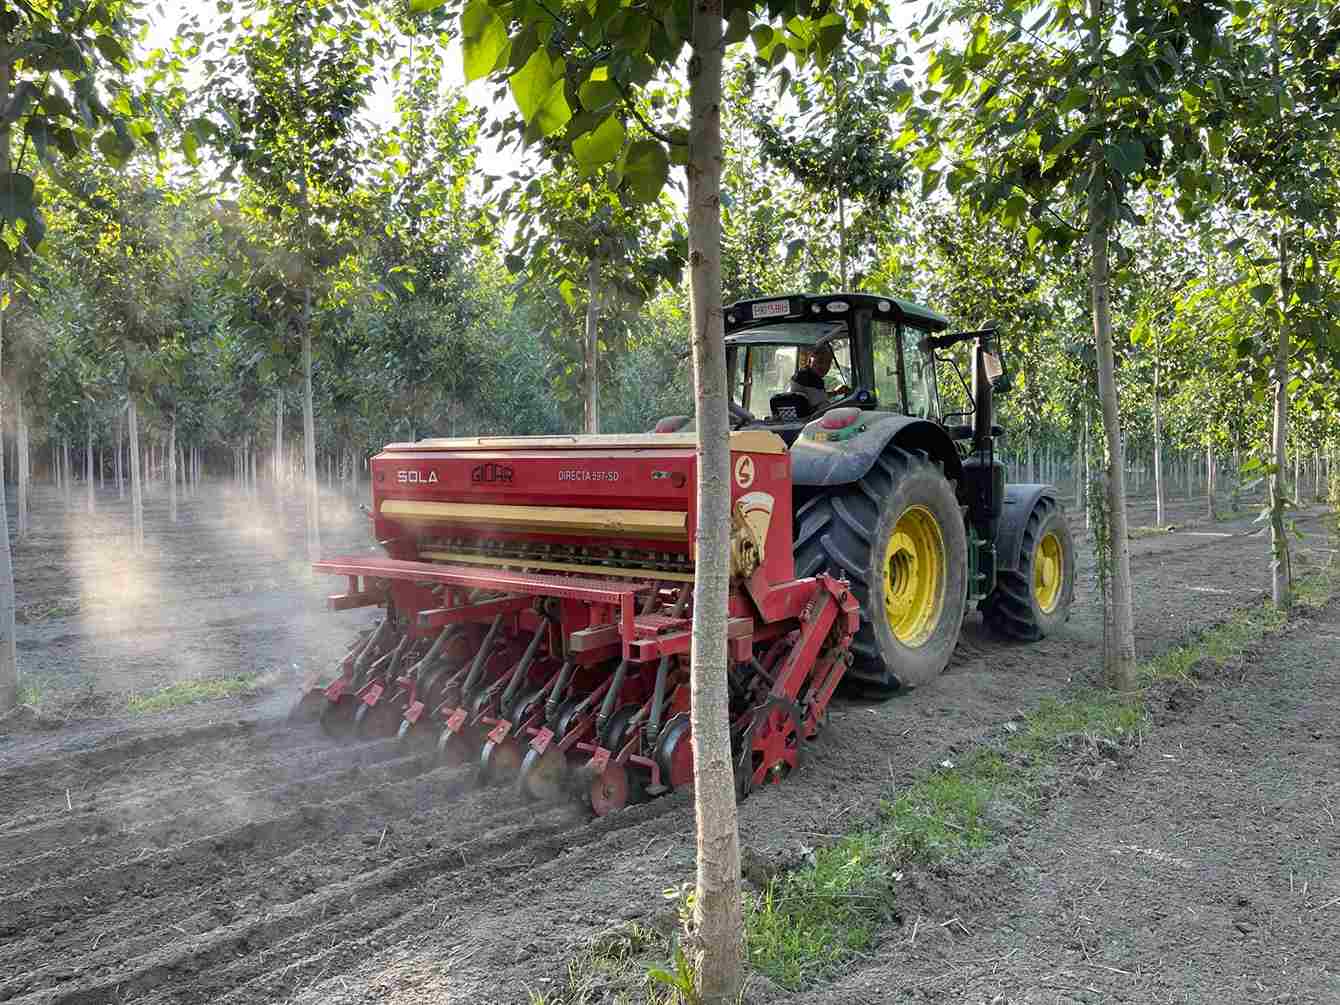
{"x":393,"y":670}
{"x":653,"y":597}
{"x":477,"y":667}
{"x":514,"y":682}
{"x":365,"y":657}
{"x":435,"y":650}
{"x":653,"y":728}
{"x":556,"y":695}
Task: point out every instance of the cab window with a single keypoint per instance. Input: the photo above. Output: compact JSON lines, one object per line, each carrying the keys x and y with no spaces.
{"x":904,"y":374}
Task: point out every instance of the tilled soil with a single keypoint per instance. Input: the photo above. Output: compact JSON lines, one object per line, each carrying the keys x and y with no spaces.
{"x":1208,"y":870}
{"x":219,"y":855}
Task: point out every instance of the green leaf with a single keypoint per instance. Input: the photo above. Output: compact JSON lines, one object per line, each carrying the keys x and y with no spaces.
{"x":1066,"y":142}
{"x":646,"y":170}
{"x":1126,"y":157}
{"x":568,"y":290}
{"x":424,"y":6}
{"x":16,"y":197}
{"x":600,"y":146}
{"x":537,"y":89}
{"x":483,"y":36}
{"x":1034,"y":237}
{"x":737,"y":27}
{"x":598,"y":94}
{"x":1262,"y":293}
{"x":1075,"y":98}
{"x":190,"y":146}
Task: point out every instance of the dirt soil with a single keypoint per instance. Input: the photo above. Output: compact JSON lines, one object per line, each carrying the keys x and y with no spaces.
{"x":215,"y":854}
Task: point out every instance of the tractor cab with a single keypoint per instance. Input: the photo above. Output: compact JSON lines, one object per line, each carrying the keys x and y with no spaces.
{"x":791,"y":359}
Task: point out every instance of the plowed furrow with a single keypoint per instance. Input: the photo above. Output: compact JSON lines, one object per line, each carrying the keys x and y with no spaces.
{"x":171,"y":809}
{"x":153,"y":872}
{"x":120,"y":977}
{"x":554,"y":862}
{"x":135,"y":926}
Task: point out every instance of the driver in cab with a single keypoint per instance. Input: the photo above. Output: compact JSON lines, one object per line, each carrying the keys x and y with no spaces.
{"x":809,"y":379}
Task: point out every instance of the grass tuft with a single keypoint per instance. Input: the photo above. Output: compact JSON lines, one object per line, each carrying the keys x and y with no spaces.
{"x":189,"y":692}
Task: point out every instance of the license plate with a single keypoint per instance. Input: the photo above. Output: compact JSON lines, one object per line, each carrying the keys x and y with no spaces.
{"x":772,"y":309}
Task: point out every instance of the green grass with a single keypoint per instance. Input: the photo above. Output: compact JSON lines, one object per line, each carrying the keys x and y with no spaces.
{"x":189,"y":692}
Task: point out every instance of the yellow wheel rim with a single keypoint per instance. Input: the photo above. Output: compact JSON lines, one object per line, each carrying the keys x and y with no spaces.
{"x":914,"y":576}
{"x":1048,"y":569}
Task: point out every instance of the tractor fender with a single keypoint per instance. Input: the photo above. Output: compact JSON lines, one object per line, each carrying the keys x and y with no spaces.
{"x":1020,"y":501}
{"x":826,"y":464}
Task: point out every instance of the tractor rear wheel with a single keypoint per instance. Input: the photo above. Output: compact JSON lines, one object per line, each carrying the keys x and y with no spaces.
{"x":898,"y":536}
{"x":1032,"y":601}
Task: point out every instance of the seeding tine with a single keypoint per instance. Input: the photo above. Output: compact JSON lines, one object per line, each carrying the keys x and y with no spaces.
{"x":653,"y":727}
{"x":607,"y":706}
{"x":523,"y":667}
{"x":477,"y":667}
{"x":556,"y":695}
{"x":435,"y":650}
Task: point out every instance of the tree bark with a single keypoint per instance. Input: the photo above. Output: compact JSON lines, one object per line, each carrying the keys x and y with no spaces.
{"x":67,"y":478}
{"x":120,"y":446}
{"x":90,"y":495}
{"x":1281,"y":571}
{"x":718,"y":936}
{"x":1119,"y":645}
{"x":136,"y":480}
{"x":172,"y":469}
{"x":842,"y":240}
{"x":279,"y":448}
{"x":23,"y":461}
{"x":1209,"y":484}
{"x":309,"y":473}
{"x":9,"y":654}
{"x":1158,"y":445}
{"x":592,"y":353}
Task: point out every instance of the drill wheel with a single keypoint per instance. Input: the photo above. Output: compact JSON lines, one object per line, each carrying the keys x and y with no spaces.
{"x":377,"y":720}
{"x":609,"y":790}
{"x":543,"y":776}
{"x":499,"y":762}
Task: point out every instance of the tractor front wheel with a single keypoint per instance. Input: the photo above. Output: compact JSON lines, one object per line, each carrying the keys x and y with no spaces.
{"x":1033,"y":600}
{"x":898,"y":536}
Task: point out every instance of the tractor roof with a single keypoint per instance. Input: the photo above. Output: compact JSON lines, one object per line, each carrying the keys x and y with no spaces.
{"x":827,"y":307}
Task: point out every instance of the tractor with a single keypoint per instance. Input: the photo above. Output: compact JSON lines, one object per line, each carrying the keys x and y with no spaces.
{"x":538,"y":590}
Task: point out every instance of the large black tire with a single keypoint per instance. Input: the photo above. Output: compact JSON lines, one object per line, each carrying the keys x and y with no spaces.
{"x":847,"y":530}
{"x":1014,"y":609}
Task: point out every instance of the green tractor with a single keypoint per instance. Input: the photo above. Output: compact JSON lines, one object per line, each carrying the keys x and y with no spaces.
{"x":906,"y":500}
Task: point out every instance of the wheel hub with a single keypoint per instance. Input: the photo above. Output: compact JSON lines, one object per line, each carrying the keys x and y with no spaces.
{"x":1048,"y":567}
{"x":914,"y":576}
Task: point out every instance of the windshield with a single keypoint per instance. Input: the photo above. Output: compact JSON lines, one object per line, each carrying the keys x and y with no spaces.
{"x":761,"y":370}
{"x":904,"y":372}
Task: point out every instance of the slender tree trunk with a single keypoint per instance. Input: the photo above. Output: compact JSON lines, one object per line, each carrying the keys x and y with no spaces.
{"x":88,"y":468}
{"x":172,"y":469}
{"x":1209,"y":483}
{"x":120,"y":446}
{"x":309,"y":435}
{"x":592,"y":353}
{"x":68,"y":469}
{"x":1281,"y":572}
{"x":1158,"y":451}
{"x":136,"y":480}
{"x":718,"y":922}
{"x":9,"y":655}
{"x":279,"y":447}
{"x":1119,"y":646}
{"x":23,"y":461}
{"x":842,"y":240}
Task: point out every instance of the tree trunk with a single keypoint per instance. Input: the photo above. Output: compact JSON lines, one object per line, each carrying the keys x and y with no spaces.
{"x":842,"y":240}
{"x":136,"y":481}
{"x":1119,"y":645}
{"x":1158,"y":450}
{"x":23,"y":460}
{"x":311,"y":494}
{"x":88,"y":468}
{"x":9,"y":655}
{"x":172,"y":469}
{"x":120,"y":446}
{"x":718,"y":923}
{"x":1209,"y":484}
{"x":279,"y":448}
{"x":592,"y":353}
{"x":66,"y":467}
{"x":1281,"y":572}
